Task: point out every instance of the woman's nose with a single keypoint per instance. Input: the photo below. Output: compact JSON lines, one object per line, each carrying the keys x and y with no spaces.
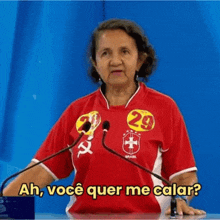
{"x":116,"y":60}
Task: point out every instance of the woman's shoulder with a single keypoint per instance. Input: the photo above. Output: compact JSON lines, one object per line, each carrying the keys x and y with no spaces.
{"x":157,"y":96}
{"x":161,"y":101}
{"x":83,"y":101}
{"x":77,"y":106}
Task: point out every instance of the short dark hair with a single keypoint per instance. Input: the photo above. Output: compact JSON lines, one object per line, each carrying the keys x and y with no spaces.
{"x":133,"y":30}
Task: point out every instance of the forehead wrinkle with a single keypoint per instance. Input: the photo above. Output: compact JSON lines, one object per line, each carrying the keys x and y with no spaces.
{"x":121,"y":47}
{"x":109,"y":48}
{"x":102,"y":34}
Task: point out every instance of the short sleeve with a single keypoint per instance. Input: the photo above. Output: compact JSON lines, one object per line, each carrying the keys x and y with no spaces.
{"x":178,"y":158}
{"x":58,"y":138}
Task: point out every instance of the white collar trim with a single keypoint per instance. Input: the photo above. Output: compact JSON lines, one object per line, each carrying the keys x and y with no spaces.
{"x":108,"y":107}
{"x":133,"y":95}
{"x":104,"y":98}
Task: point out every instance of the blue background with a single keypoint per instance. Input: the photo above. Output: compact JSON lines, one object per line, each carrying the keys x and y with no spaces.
{"x":43,"y":68}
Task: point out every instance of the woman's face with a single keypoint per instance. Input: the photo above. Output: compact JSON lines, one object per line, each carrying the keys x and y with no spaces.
{"x":117,"y":58}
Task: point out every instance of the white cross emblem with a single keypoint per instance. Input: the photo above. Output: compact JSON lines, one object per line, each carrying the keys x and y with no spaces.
{"x":131,"y":142}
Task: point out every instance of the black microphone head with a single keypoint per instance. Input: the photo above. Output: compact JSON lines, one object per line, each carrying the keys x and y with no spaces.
{"x":86,"y":126}
{"x":106,"y":125}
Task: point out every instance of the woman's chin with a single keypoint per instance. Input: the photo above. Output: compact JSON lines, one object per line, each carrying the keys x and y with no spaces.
{"x":118,"y":81}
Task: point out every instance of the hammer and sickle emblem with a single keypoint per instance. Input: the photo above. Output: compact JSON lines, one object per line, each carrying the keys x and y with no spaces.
{"x":85,"y":149}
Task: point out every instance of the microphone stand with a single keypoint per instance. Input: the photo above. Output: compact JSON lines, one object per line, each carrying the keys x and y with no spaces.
{"x":173,"y":199}
{"x":47,"y":158}
{"x":15,"y":204}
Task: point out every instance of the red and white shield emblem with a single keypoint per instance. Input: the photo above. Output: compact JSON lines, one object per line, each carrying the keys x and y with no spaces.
{"x":131,"y":142}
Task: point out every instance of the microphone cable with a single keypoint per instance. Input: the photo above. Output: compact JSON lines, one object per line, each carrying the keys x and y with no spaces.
{"x":106,"y":126}
{"x":85,"y":128}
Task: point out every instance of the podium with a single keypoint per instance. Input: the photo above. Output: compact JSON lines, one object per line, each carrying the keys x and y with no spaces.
{"x":17,"y":207}
{"x":121,"y":216}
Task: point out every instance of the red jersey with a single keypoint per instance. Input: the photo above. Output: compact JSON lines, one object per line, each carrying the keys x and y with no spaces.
{"x":149,"y":130}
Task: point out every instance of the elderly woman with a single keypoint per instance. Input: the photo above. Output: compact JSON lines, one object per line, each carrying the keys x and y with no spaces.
{"x":146,"y":127}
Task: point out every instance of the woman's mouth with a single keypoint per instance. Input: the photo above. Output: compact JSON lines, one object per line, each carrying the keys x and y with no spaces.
{"x":116,"y":72}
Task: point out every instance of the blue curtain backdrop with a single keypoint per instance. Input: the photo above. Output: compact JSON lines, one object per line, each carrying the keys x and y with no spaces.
{"x":43,"y":68}
{"x":186,"y":37}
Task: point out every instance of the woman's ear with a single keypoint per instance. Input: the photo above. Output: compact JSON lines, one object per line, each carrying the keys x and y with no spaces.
{"x":141,"y":59}
{"x":93,"y":62}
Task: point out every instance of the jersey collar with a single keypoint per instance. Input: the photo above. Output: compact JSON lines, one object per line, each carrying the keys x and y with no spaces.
{"x":133,"y":98}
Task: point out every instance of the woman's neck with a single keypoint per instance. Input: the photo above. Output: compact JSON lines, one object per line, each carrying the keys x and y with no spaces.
{"x":119,"y":95}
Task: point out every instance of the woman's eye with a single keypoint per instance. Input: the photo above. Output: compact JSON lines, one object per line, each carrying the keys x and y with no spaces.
{"x":104,"y":53}
{"x":125,"y":51}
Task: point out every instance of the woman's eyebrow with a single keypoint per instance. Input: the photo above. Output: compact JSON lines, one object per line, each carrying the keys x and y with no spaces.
{"x":108,"y":48}
{"x":104,"y":48}
{"x":124,"y":47}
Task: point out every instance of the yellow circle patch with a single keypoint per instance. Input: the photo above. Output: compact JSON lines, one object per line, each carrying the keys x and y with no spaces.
{"x":141,"y":120}
{"x":94,"y":117}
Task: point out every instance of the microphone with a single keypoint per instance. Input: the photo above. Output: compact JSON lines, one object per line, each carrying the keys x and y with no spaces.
{"x":14,"y":200}
{"x":106,"y":127}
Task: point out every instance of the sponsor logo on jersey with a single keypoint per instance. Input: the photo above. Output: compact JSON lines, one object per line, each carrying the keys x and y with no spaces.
{"x":94,"y":117}
{"x":141,"y":120}
{"x":131,"y":143}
